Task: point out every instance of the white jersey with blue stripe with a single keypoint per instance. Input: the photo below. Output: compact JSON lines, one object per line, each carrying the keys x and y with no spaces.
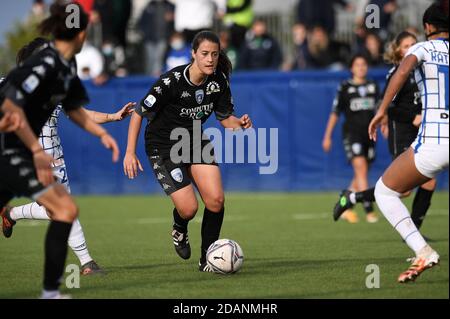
{"x":432,"y":80}
{"x":49,"y":138}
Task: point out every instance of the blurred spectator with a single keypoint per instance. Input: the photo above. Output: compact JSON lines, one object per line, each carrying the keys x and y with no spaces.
{"x":319,"y":12}
{"x":228,"y":48}
{"x":260,"y":50}
{"x":238,"y":20}
{"x":192,"y":16}
{"x":299,"y":33}
{"x":39,"y":11}
{"x":179,"y":52}
{"x":156,"y":25}
{"x":373,"y":50}
{"x":90,"y":63}
{"x":387,"y":8}
{"x":113,"y":15}
{"x":322,"y":52}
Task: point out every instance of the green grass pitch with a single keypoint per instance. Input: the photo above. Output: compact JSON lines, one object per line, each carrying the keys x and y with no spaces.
{"x":292,"y":248}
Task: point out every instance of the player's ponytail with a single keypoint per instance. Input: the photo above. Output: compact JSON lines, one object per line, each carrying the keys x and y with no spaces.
{"x":393,"y":53}
{"x":66,"y":20}
{"x":224,"y":65}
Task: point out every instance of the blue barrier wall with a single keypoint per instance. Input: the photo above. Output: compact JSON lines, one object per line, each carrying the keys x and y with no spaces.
{"x":297,"y":104}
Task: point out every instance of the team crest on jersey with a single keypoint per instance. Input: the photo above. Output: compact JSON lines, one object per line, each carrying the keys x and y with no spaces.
{"x":362,"y":90}
{"x":212,"y":87}
{"x":177,"y":175}
{"x":371,"y":88}
{"x":150,"y":100}
{"x":199,"y":95}
{"x":31,"y":83}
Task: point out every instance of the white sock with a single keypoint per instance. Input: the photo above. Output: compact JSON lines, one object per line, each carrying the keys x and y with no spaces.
{"x":397,"y":214}
{"x":29,"y":211}
{"x":49,"y":294}
{"x":78,"y":243}
{"x":352,"y":198}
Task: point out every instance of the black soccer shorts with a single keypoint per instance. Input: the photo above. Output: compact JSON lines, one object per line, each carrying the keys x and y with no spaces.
{"x":355,"y":146}
{"x":18,"y":176}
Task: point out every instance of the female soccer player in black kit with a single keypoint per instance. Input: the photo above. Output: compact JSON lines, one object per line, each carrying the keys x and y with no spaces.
{"x":34,"y":89}
{"x":404,"y":118}
{"x":357,"y":99}
{"x":179,"y":102}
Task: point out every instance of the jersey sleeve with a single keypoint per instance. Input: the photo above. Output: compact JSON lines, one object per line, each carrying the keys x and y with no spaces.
{"x":76,"y":96}
{"x":225,"y":106}
{"x":419,"y":51}
{"x":157,"y":97}
{"x":26,"y":81}
{"x":338,"y":102}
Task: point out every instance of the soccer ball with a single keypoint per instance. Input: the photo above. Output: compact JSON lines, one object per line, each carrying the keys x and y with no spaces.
{"x":225,"y":256}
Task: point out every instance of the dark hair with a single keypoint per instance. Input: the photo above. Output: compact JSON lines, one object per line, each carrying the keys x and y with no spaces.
{"x":358,"y":56}
{"x":437,"y":15}
{"x":29,"y":49}
{"x":224,"y":64}
{"x":392,"y":54}
{"x":60,"y":14}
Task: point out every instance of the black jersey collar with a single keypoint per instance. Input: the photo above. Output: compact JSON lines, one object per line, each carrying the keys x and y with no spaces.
{"x":185,"y":73}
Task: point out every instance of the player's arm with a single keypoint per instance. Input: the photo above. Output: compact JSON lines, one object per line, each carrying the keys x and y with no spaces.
{"x":327,"y":141}
{"x":398,"y":79}
{"x":10,"y":121}
{"x":235,"y":123}
{"x":80,"y":117}
{"x":42,"y":161}
{"x":131,"y":162}
{"x":101,"y":118}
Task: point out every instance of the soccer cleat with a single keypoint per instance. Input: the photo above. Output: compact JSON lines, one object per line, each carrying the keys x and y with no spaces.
{"x":181,"y":244}
{"x":372,"y":217}
{"x":419,"y":265}
{"x":56,"y":295}
{"x":7,"y":222}
{"x":204,"y":267}
{"x":91,"y":268}
{"x":342,"y":205}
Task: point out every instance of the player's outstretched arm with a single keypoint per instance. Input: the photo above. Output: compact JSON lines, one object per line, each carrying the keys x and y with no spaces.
{"x":80,"y":117}
{"x":101,"y":118}
{"x":395,"y":84}
{"x":42,"y":161}
{"x":234,"y":123}
{"x":131,"y":162}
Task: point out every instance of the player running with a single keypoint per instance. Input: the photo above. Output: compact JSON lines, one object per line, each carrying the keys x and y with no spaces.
{"x":34,"y":89}
{"x":404,"y":118}
{"x":356,"y":99}
{"x":51,"y":143}
{"x":429,"y":153}
{"x":177,"y":104}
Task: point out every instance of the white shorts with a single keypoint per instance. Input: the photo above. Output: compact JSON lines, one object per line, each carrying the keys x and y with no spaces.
{"x":431,"y":159}
{"x":60,"y":172}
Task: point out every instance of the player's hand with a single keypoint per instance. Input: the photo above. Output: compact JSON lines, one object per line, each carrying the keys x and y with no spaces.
{"x":42,"y":163}
{"x":246,"y":122}
{"x":376,"y":121}
{"x":10,"y":122}
{"x":131,"y":164}
{"x":326,"y":144}
{"x":384,"y":127}
{"x":124,"y":112}
{"x":110,"y":143}
{"x":417,"y":120}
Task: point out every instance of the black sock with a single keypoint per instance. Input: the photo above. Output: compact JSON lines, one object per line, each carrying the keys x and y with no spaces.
{"x":368,"y":207}
{"x":421,"y":203}
{"x":365,"y":196}
{"x":55,"y":253}
{"x":179,"y":223}
{"x":211,"y":225}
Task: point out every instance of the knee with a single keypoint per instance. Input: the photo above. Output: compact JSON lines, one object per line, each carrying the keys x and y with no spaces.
{"x":382,"y":190}
{"x":69,"y":210}
{"x":188,"y":212}
{"x":215,"y":203}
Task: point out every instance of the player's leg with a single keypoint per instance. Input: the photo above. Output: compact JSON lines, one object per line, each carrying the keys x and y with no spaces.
{"x":422,"y":201}
{"x":64,"y":211}
{"x":402,"y":175}
{"x":209,"y":184}
{"x":361,"y":167}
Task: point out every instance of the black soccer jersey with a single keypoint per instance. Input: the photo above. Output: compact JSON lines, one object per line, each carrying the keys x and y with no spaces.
{"x":358,"y":104}
{"x":42,"y":82}
{"x":175,"y":102}
{"x":407,"y":103}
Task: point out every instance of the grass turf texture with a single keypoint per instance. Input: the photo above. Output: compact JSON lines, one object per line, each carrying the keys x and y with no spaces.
{"x":292,"y":249}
